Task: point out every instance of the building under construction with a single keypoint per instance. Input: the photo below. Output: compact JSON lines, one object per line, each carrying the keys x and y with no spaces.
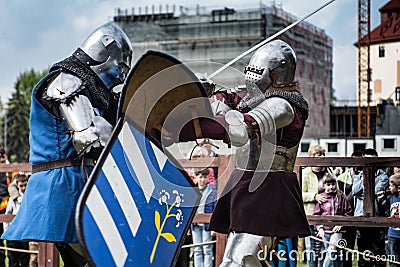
{"x":205,"y":39}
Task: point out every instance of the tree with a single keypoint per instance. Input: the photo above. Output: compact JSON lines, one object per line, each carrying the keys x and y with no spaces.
{"x":17,"y":116}
{"x":2,"y":118}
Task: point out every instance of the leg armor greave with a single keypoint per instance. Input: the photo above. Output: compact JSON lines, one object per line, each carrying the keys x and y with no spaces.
{"x":246,"y":250}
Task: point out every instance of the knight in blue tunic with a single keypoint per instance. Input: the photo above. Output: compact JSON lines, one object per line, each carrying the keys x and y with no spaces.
{"x":72,"y":116}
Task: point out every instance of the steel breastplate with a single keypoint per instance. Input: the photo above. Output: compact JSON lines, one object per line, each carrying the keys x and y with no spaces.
{"x":265,"y":156}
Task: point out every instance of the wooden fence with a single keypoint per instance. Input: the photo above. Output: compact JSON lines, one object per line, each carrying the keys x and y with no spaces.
{"x":226,"y":164}
{"x":49,"y":257}
{"x":48,"y":254}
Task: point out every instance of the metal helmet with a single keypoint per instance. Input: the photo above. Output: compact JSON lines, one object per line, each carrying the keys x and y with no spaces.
{"x":272,"y":64}
{"x":108,"y":52}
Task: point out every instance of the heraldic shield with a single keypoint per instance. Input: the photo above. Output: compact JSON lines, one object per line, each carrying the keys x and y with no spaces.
{"x":138,"y":203}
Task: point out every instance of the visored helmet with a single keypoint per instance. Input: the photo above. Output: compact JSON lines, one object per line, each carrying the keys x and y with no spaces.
{"x":272,"y":64}
{"x":108,"y":52}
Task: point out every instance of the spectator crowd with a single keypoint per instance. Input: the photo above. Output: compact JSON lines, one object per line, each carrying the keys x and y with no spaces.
{"x":325,"y":191}
{"x":340,"y":191}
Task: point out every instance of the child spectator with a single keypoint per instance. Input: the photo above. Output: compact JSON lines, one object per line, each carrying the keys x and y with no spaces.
{"x":311,"y":187}
{"x":203,"y":255}
{"x":392,"y":204}
{"x":14,"y":194}
{"x":336,"y":204}
{"x":20,"y":259}
{"x":199,"y":152}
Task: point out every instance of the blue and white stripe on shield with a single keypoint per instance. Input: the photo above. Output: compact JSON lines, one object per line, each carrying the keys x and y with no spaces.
{"x":139,"y":207}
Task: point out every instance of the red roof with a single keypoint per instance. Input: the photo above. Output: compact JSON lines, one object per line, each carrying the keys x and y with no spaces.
{"x":389,"y":30}
{"x":392,"y":5}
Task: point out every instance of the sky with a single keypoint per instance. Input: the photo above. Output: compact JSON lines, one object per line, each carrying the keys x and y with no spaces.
{"x":35,"y":34}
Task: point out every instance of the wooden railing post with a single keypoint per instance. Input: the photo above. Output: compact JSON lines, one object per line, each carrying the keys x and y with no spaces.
{"x":48,"y":255}
{"x":369,"y":192}
{"x":226,"y":166}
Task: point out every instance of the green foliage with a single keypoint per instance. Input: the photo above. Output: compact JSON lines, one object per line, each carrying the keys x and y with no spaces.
{"x":2,"y":118}
{"x":17,"y":116}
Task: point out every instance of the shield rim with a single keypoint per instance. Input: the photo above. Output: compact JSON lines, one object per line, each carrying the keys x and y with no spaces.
{"x":174,"y":61}
{"x":157,"y":54}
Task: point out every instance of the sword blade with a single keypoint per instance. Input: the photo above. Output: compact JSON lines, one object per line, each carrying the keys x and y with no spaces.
{"x":267,"y":40}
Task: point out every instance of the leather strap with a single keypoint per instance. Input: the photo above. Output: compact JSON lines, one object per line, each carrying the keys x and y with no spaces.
{"x":283,"y":87}
{"x":60,"y":163}
{"x":196,"y":123}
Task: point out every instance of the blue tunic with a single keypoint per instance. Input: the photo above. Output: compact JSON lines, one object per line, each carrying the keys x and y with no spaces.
{"x":47,"y":212}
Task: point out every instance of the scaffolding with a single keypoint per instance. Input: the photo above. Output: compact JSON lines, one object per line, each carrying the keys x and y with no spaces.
{"x":364,"y":91}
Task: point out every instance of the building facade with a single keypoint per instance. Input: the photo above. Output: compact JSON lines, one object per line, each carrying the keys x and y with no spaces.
{"x":385,"y":56}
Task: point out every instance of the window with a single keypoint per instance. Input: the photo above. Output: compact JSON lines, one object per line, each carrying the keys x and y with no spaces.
{"x":332,"y":147}
{"x":304,"y":147}
{"x":381,"y":51}
{"x":389,"y":143}
{"x":359,"y":147}
{"x":299,"y":35}
{"x":397,"y":95}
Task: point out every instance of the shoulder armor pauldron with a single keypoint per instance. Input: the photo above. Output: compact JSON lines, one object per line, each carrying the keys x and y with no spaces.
{"x":63,"y":87}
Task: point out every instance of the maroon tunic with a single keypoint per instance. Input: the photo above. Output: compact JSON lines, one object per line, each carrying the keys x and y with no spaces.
{"x":275,"y":208}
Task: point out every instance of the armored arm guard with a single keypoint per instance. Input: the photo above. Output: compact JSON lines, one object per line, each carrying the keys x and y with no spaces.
{"x":237,"y":128}
{"x":219,"y":107}
{"x":271,"y":114}
{"x":88,"y":130}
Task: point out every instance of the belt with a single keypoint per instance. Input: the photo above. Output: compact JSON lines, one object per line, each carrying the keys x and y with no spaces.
{"x":60,"y":163}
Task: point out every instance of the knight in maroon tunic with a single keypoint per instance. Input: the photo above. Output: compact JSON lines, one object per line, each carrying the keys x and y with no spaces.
{"x":265,"y":122}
